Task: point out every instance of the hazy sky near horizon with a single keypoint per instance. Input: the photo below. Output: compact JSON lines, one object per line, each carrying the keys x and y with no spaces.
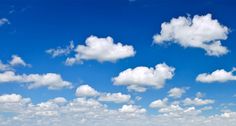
{"x":117,"y":62}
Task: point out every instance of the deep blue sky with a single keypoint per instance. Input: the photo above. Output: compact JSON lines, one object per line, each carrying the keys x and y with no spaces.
{"x":37,"y":25}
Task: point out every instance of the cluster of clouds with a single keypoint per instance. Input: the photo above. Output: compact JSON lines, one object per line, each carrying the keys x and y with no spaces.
{"x":90,"y":106}
{"x":49,"y":80}
{"x":89,"y":110}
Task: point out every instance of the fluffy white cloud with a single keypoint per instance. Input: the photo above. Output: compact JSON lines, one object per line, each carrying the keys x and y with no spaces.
{"x":10,"y":98}
{"x":132,"y":109}
{"x":4,"y":21}
{"x":114,"y":97}
{"x":50,"y":80}
{"x":159,"y":103}
{"x":139,"y":78}
{"x":16,"y":60}
{"x":198,"y":32}
{"x":61,"y":51}
{"x":86,"y":90}
{"x":101,"y":49}
{"x":198,"y":101}
{"x":176,"y":92}
{"x":216,"y":76}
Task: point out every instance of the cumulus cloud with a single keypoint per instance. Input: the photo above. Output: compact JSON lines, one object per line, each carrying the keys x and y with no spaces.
{"x":101,"y":49}
{"x":159,"y":103}
{"x":4,"y":21}
{"x":132,"y":109}
{"x":217,"y":76}
{"x":115,"y":97}
{"x":50,"y":80}
{"x":61,"y":51}
{"x":198,"y":101}
{"x":86,"y":90}
{"x":176,"y":92}
{"x":199,"y":32}
{"x":139,"y":78}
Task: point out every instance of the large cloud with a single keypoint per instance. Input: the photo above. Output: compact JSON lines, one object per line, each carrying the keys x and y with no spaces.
{"x":101,"y":49}
{"x":50,"y":80}
{"x":217,"y":76}
{"x":198,"y":32}
{"x":139,"y":78}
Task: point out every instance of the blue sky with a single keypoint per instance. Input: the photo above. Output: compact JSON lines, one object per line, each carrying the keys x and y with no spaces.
{"x":30,"y":28}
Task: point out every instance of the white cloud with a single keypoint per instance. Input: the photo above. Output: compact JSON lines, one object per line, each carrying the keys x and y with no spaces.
{"x":50,"y":80}
{"x":61,"y":51}
{"x":199,"y":32}
{"x":139,"y":78}
{"x":10,"y":98}
{"x":159,"y":103}
{"x":198,"y":101}
{"x":16,"y":60}
{"x":216,"y":76}
{"x":86,"y":90}
{"x":176,"y":92}
{"x":132,"y":109}
{"x":101,"y":49}
{"x":4,"y":21}
{"x":115,"y":97}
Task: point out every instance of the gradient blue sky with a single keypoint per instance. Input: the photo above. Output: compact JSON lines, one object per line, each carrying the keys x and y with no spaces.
{"x":38,"y":25}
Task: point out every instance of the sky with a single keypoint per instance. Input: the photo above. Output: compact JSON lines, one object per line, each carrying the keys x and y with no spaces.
{"x":117,"y":62}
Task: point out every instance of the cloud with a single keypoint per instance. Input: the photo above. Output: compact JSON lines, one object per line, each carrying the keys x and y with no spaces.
{"x":198,"y":101}
{"x":132,"y":109}
{"x":176,"y":92}
{"x":139,"y":78}
{"x":101,"y":49}
{"x":159,"y":103}
{"x":50,"y":80}
{"x":216,"y":76}
{"x":15,"y":61}
{"x":4,"y":21}
{"x":86,"y":91}
{"x":61,"y":51}
{"x":199,"y":32}
{"x":114,"y":97}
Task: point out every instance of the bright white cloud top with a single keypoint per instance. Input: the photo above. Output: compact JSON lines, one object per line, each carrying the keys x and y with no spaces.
{"x":139,"y":78}
{"x":217,"y":76}
{"x":50,"y":80}
{"x":86,"y":90}
{"x":199,"y":32}
{"x":102,"y":50}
